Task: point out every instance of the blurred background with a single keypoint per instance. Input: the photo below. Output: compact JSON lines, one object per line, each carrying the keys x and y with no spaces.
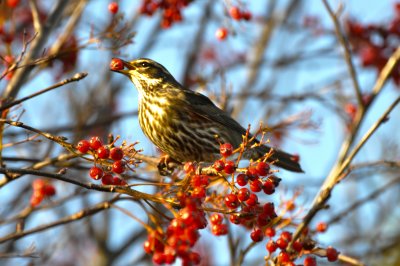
{"x":281,"y":65}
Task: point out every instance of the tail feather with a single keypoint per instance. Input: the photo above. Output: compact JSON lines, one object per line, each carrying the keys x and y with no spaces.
{"x":280,"y":158}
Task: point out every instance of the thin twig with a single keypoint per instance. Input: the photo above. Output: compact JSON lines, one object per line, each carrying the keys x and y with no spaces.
{"x":71,"y":218}
{"x":22,"y":74}
{"x":367,"y":135}
{"x":386,"y":71}
{"x":364,"y":200}
{"x":76,"y":77}
{"x":332,"y":180}
{"x":136,"y":195}
{"x":346,"y":54}
{"x":343,"y":258}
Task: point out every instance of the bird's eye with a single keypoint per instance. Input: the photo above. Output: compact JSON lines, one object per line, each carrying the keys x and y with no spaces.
{"x":144,"y":64}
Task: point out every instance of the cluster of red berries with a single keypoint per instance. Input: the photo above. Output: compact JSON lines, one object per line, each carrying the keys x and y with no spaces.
{"x":258,"y":178}
{"x":171,"y":10}
{"x":282,"y":243}
{"x":181,"y":235}
{"x":20,"y":17}
{"x":375,"y":43}
{"x":236,"y":14}
{"x":103,"y":152}
{"x":286,"y":258}
{"x":41,"y":189}
{"x":217,"y":227}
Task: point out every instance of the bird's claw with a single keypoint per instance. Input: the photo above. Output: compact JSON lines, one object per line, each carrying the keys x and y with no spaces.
{"x":166,"y":166}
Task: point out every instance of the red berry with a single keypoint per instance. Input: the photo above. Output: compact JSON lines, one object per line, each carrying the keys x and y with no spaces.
{"x":290,"y":206}
{"x":231,"y":201}
{"x":95,"y":143}
{"x":194,"y":258}
{"x":252,"y":173}
{"x":298,"y":246}
{"x":221,"y":34}
{"x":116,"y":154}
{"x":219,"y":229}
{"x":118,"y":167}
{"x":49,"y":190}
{"x":229,"y":167}
{"x":199,"y":192}
{"x":113,"y":7}
{"x":253,"y":200}
{"x":247,"y":15}
{"x":369,"y":55}
{"x":269,"y":209}
{"x":271,"y":246}
{"x":96,"y":173}
{"x":256,"y":235}
{"x":332,"y":254}
{"x":155,"y":241}
{"x":219,"y":165}
{"x":195,"y":181}
{"x":262,"y":219}
{"x":38,"y":184}
{"x":268,"y":187}
{"x":235,"y":13}
{"x":12,"y":3}
{"x":216,"y":218}
{"x":107,"y":179}
{"x":270,"y":232}
{"x":147,"y":247}
{"x":321,"y":227}
{"x":189,"y":167}
{"x":310,"y":261}
{"x":262,"y":168}
{"x":170,"y":255}
{"x":83,"y":146}
{"x":118,"y":181}
{"x":103,"y":152}
{"x":282,"y":243}
{"x":200,"y":181}
{"x":283,"y":257}
{"x":275,"y":180}
{"x":116,"y":64}
{"x":242,"y":180}
{"x":351,"y":110}
{"x":234,"y":218}
{"x":256,"y":185}
{"x":243,"y":194}
{"x":226,"y":149}
{"x":205,"y":180}
{"x":286,"y":235}
{"x":158,"y":258}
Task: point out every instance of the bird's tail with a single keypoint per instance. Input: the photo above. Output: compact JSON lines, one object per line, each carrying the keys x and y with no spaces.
{"x":280,"y":158}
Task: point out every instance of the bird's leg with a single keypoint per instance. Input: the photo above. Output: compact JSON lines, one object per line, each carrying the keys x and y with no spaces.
{"x":198,"y":169}
{"x":166,"y":165}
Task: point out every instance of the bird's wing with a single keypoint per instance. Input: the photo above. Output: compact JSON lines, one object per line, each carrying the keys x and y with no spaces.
{"x":204,"y":107}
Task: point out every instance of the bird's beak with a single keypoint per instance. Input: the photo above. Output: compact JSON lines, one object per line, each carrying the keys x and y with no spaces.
{"x":121,"y":66}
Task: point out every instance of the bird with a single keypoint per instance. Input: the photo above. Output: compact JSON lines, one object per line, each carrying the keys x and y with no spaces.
{"x":184,"y":124}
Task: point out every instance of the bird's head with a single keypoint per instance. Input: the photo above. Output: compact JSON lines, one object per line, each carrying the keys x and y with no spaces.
{"x":147,"y":75}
